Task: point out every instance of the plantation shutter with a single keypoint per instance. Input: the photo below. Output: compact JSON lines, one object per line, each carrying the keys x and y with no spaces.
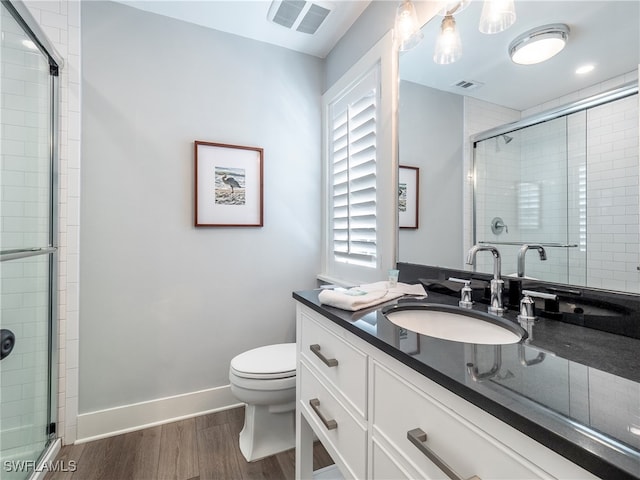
{"x":353,"y":173}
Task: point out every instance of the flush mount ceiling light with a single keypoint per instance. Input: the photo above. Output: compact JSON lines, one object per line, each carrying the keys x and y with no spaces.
{"x":407,"y":30}
{"x":448,"y":45}
{"x":539,"y":44}
{"x":497,"y":15}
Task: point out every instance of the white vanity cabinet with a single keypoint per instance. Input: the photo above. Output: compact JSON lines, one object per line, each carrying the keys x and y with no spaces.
{"x":380,"y":419}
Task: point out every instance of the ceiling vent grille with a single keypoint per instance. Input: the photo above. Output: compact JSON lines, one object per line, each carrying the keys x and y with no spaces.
{"x":299,"y":15}
{"x":467,"y":84}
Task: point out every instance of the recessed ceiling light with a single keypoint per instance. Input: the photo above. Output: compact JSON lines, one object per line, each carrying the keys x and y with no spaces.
{"x":539,"y":44}
{"x":585,"y":69}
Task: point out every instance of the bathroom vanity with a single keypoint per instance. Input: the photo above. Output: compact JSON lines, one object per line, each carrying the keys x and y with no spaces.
{"x":389,"y":403}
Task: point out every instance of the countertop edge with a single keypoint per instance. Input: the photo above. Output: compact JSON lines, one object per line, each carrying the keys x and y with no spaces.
{"x":564,"y":447}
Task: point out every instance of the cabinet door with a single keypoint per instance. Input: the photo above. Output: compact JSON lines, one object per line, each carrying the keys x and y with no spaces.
{"x":400,"y":411}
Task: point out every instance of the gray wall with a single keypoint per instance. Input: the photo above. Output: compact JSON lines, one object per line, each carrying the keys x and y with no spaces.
{"x":431,"y":131}
{"x":164,"y":306}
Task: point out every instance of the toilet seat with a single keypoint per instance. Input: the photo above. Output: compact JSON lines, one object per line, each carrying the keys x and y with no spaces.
{"x":265,"y":380}
{"x":266,"y":363}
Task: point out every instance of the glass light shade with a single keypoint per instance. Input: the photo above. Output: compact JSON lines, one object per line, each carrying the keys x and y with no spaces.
{"x":497,"y":15}
{"x":539,"y":44}
{"x":448,"y":46}
{"x":407,"y":29}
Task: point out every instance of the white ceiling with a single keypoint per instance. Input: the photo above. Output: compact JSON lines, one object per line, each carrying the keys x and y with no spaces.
{"x":603,"y":32}
{"x":248,"y":18}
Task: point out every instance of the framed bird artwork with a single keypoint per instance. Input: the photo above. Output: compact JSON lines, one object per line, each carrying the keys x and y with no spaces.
{"x":228,"y":185}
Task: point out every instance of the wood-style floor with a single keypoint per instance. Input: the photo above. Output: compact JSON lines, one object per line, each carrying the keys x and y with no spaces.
{"x":200,"y":448}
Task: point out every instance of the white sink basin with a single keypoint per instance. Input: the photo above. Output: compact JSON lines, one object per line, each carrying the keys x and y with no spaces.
{"x":454,"y":323}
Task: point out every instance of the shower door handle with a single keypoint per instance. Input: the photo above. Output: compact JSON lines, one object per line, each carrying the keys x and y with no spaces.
{"x":7,"y":342}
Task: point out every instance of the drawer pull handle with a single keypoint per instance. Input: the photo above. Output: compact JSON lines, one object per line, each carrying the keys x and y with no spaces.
{"x":315,"y":405}
{"x":418,"y":437}
{"x":329,"y":362}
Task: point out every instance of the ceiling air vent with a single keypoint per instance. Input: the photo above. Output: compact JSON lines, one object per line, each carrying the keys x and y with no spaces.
{"x":467,"y":84}
{"x":305,"y":17}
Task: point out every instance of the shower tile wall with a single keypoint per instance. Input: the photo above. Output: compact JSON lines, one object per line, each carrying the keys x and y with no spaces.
{"x":612,"y":184}
{"x":60,"y":20}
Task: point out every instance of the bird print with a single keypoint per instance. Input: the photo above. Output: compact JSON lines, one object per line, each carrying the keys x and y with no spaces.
{"x":232,"y":182}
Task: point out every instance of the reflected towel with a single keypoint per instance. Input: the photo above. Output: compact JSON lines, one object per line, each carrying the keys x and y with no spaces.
{"x":365,"y":296}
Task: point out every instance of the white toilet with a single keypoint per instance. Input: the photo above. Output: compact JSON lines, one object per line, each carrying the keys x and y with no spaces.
{"x":265,"y":379}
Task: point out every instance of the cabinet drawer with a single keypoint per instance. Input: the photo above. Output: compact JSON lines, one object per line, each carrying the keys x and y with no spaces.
{"x":400,"y":408}
{"x":341,"y":364}
{"x":336,"y":427}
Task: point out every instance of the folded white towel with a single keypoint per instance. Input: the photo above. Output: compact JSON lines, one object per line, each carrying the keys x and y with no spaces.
{"x":368,"y":295}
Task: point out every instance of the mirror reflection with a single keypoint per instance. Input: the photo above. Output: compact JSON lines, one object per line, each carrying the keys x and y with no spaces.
{"x":501,"y":161}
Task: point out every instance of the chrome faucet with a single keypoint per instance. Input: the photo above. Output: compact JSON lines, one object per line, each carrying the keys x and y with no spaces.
{"x":523,"y":252}
{"x":527,"y":316}
{"x":497,"y":283}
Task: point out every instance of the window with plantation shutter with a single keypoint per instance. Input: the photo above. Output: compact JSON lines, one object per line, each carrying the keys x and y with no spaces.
{"x":352,"y":151}
{"x":360,"y":170}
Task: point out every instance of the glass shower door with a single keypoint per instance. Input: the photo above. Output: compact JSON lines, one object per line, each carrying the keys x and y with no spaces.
{"x":533,"y":182}
{"x":26,"y":250}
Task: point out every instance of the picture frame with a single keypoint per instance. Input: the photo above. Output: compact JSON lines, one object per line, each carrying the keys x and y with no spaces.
{"x":228,"y":185}
{"x":408,"y":196}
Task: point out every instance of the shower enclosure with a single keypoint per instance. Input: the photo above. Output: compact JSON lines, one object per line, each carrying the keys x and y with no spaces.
{"x":28,"y":115}
{"x":567,"y":180}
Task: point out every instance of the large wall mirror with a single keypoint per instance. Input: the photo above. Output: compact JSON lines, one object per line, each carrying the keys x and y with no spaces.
{"x":501,"y":160}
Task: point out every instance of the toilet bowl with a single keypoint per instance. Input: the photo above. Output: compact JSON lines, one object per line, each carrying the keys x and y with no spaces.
{"x":265,"y":379}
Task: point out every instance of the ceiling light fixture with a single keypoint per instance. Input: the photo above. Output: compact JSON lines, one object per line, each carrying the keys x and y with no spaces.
{"x":407,"y":30}
{"x":539,"y":44}
{"x":448,"y":45}
{"x":497,"y":15}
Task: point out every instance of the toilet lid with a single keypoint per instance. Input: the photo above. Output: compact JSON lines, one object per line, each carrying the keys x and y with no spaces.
{"x":272,"y":361}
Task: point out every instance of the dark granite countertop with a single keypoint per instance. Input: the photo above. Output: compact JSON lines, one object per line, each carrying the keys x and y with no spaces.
{"x":576,"y":390}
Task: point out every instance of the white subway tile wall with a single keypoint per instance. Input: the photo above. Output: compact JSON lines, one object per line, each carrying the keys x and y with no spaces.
{"x":60,"y":20}
{"x":613,"y":235}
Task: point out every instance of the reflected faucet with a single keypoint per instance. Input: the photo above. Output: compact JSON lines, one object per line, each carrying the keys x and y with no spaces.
{"x":497,"y":283}
{"x":474,"y":373}
{"x":523,"y":252}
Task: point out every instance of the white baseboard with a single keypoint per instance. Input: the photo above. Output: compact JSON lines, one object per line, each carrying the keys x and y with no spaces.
{"x":128,"y":418}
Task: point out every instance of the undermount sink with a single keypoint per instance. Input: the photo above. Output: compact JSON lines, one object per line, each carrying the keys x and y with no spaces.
{"x":448,"y":322}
